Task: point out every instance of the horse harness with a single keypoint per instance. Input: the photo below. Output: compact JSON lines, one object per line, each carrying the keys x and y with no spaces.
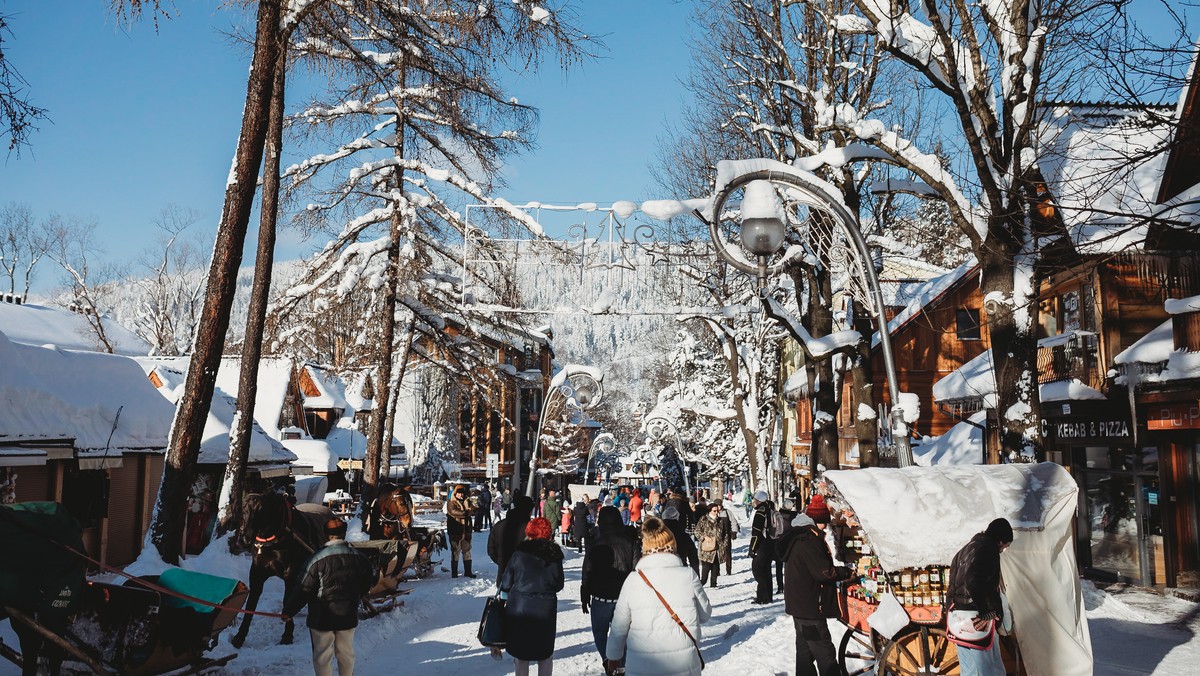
{"x":261,"y":544}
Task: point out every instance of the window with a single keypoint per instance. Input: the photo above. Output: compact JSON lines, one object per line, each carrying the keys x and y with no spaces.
{"x":967,"y":324}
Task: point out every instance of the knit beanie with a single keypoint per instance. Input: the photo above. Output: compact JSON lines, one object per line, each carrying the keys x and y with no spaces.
{"x":761,"y":496}
{"x":817,"y":509}
{"x":656,"y":537}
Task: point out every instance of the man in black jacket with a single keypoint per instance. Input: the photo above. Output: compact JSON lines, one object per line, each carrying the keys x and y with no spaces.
{"x":762,"y":547}
{"x":685,"y":546}
{"x":809,"y":594}
{"x":975,"y":585}
{"x":334,"y":581}
{"x":611,"y":555}
{"x":508,"y":533}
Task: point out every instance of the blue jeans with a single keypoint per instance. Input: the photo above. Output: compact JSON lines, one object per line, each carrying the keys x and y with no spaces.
{"x":981,"y":662}
{"x":602,"y":617}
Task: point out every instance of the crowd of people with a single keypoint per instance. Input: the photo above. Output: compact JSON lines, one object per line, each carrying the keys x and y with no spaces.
{"x":647,"y":562}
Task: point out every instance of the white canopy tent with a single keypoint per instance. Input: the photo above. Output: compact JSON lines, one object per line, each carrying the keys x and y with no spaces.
{"x":922,"y":516}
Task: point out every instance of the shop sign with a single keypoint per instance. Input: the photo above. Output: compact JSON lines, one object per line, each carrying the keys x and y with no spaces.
{"x":1083,"y":430}
{"x":1173,"y":417}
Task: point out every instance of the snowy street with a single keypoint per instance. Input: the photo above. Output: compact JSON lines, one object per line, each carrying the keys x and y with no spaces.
{"x":1133,"y":631}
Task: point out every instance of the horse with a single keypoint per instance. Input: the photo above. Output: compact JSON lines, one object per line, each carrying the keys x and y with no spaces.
{"x":393,"y":520}
{"x":283,"y":537}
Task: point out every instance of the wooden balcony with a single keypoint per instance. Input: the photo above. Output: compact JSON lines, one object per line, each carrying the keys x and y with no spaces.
{"x":1073,"y":355}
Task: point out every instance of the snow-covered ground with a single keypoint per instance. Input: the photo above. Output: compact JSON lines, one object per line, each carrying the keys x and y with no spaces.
{"x":1133,"y":631}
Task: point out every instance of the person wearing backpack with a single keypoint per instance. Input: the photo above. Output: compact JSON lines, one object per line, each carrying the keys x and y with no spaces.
{"x":762,"y":546}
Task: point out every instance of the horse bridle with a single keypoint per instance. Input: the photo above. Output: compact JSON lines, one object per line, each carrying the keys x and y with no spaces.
{"x":261,"y":543}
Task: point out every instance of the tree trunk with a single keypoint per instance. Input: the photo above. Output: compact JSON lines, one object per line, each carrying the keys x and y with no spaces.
{"x":818,"y":320}
{"x":256,"y":319}
{"x":1010,"y":293}
{"x":866,"y":429}
{"x":166,"y":531}
{"x":385,"y":461}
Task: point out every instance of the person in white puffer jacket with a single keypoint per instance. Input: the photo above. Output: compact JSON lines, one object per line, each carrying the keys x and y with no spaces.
{"x":643,"y":630}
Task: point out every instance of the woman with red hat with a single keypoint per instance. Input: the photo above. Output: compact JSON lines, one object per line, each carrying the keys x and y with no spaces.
{"x":532,"y":580}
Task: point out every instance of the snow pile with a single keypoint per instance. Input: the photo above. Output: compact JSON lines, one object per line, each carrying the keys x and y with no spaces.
{"x":921,"y":516}
{"x":1182,"y":306}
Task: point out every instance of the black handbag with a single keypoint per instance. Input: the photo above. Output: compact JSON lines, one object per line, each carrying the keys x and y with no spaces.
{"x":491,"y":625}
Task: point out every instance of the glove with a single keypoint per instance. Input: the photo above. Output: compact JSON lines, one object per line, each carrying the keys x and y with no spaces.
{"x":585,"y":607}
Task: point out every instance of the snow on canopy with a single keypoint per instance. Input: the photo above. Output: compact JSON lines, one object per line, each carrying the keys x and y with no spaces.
{"x":1103,"y":166}
{"x":52,"y":393}
{"x":1182,"y":306}
{"x":214,"y":442}
{"x":922,"y":516}
{"x":37,"y":325}
{"x":1153,"y":348}
{"x":960,"y":445}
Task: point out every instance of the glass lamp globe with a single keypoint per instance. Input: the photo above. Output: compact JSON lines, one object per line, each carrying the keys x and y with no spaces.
{"x":762,"y":219}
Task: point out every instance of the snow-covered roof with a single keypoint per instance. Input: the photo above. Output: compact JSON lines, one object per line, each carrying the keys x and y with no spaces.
{"x":926,"y":294}
{"x":921,"y":516}
{"x":331,"y":389}
{"x":971,"y":380}
{"x":214,"y":444}
{"x":976,"y":380}
{"x":1153,"y":348}
{"x":38,"y":325}
{"x":1103,"y":166}
{"x":1182,"y":306}
{"x":960,"y":445}
{"x":53,"y":393}
{"x":314,"y":452}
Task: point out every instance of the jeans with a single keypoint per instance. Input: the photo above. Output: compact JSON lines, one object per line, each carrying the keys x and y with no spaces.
{"x":981,"y":662}
{"x":328,"y":644}
{"x":813,"y":643}
{"x":602,"y":617}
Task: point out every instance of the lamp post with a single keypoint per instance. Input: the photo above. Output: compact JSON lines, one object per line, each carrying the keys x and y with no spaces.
{"x":656,"y":427}
{"x":604,"y":442}
{"x":763,"y":229}
{"x":582,"y":384}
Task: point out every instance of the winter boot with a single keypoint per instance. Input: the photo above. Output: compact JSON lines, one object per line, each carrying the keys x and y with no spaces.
{"x":454,"y":568}
{"x":467,"y":568}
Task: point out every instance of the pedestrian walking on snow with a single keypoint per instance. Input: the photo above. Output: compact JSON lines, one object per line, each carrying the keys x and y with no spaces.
{"x":332,"y":584}
{"x":713,"y":535}
{"x":611,"y":555}
{"x":580,"y":517}
{"x":810,"y":594}
{"x":508,"y":533}
{"x":552,"y":510}
{"x":685,"y":547}
{"x":733,"y":528}
{"x":762,"y":547}
{"x":656,"y":624}
{"x":532,"y":580}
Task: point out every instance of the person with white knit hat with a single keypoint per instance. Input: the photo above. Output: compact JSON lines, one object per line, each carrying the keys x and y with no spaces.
{"x":762,"y":548}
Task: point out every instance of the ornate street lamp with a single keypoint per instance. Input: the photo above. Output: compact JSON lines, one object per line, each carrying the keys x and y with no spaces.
{"x":763,"y":228}
{"x":657,"y":427}
{"x":583,"y":385}
{"x":604,"y":442}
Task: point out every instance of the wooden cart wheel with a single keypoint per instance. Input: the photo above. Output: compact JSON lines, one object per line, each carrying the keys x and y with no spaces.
{"x":924,"y":652}
{"x":856,"y":645}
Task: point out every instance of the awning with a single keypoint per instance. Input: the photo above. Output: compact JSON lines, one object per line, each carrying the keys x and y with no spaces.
{"x":22,"y":457}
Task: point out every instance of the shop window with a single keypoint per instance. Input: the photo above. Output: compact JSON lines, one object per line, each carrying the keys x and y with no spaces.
{"x":967,"y":324}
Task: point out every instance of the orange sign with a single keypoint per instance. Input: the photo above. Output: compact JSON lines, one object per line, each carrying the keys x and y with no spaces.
{"x":1173,"y":417}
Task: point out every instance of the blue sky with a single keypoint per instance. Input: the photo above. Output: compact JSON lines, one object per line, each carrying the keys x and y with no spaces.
{"x":139,"y":119}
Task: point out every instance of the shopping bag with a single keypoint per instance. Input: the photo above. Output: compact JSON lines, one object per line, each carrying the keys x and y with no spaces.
{"x":491,"y":625}
{"x":889,"y":618}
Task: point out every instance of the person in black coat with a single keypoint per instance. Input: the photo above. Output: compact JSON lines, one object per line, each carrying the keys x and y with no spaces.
{"x":611,"y":555}
{"x":686,"y":516}
{"x":685,"y":546}
{"x":975,"y":585}
{"x":580,"y":522}
{"x":332,"y":584}
{"x":810,"y":595}
{"x":762,"y":548}
{"x":532,"y":580}
{"x":508,"y":533}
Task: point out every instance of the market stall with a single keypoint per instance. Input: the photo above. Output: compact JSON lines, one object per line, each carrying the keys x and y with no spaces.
{"x":899,"y":529}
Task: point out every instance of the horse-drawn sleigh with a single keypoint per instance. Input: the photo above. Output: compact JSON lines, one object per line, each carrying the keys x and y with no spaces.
{"x":146,"y":625}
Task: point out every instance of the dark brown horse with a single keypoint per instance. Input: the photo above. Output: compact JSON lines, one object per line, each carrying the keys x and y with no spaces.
{"x":392,"y":519}
{"x":283,"y":537}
